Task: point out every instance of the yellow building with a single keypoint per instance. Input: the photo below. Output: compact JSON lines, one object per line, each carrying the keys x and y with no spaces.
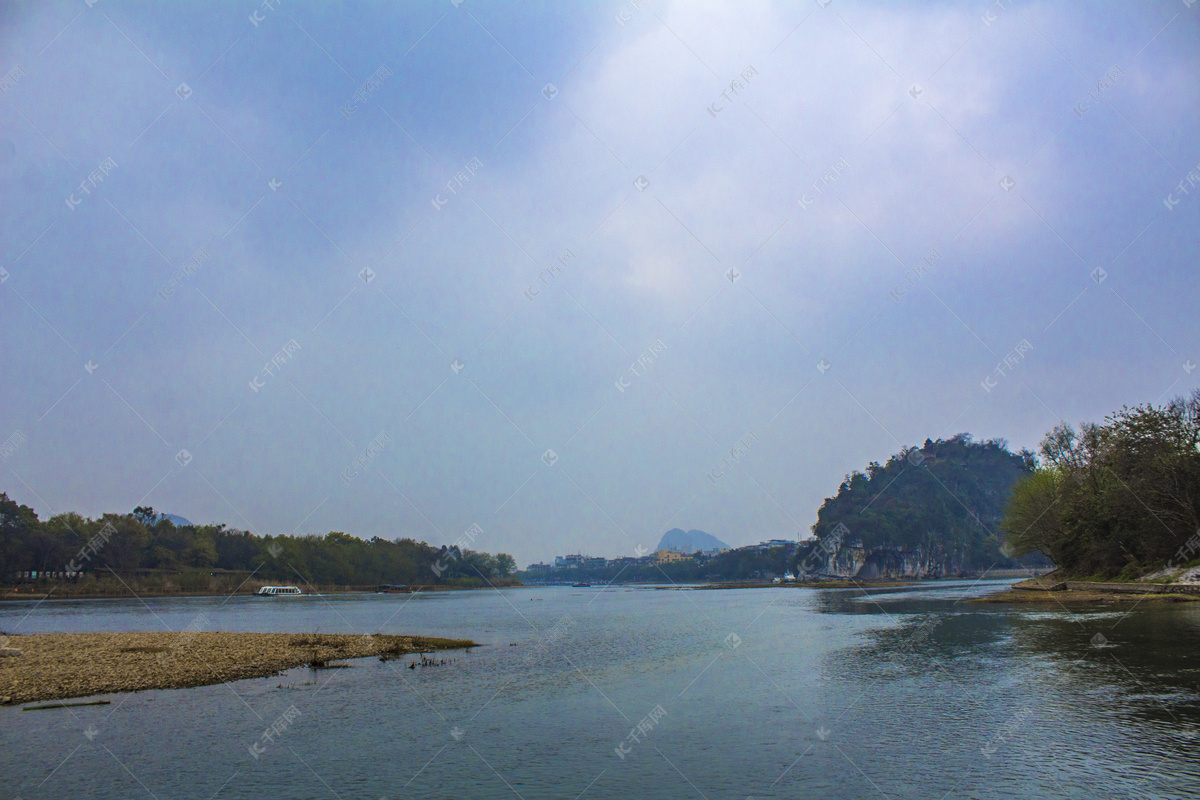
{"x":667,"y":556}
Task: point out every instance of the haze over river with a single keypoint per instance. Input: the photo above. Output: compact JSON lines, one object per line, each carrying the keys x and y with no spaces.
{"x":767,"y":693}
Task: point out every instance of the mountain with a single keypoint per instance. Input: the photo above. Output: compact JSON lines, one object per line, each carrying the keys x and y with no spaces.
{"x":174,"y":519}
{"x":928,"y":512}
{"x":682,"y":541}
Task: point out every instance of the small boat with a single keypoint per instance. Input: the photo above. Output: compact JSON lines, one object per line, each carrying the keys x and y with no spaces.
{"x":279,"y":591}
{"x":582,"y":585}
{"x":393,"y":588}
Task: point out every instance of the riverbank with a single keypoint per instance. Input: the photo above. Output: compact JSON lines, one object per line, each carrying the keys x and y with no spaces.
{"x":1082,"y":597}
{"x":68,"y":591}
{"x":825,"y":584}
{"x":57,"y":666}
{"x":1053,"y":588}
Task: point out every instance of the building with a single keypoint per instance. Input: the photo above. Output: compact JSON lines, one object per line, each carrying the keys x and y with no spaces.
{"x":669,"y":557}
{"x":769,"y":545}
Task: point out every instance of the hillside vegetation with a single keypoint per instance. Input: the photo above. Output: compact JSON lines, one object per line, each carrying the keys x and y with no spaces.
{"x":1119,"y":498}
{"x":942,"y":503}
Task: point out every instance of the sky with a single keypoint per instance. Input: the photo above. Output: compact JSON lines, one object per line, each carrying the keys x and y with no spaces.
{"x":576,"y":273}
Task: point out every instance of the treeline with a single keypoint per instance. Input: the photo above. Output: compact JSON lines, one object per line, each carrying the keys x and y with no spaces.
{"x":731,"y":565}
{"x":1116,"y":499}
{"x":145,"y":543}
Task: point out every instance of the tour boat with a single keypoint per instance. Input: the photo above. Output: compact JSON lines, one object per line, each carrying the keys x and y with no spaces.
{"x":279,"y":591}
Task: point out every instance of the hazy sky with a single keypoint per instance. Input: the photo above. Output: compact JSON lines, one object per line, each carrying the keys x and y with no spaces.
{"x":814,"y":228}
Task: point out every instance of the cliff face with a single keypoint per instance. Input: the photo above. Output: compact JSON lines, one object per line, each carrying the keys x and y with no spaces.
{"x":852,"y":560}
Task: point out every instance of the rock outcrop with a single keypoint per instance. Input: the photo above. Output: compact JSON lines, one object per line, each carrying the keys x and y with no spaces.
{"x":853,"y":560}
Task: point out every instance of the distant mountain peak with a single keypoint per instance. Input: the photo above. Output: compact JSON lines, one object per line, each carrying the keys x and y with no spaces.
{"x":682,"y":541}
{"x":174,"y":519}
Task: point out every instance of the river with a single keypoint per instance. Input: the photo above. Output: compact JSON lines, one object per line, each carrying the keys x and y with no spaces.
{"x":641,"y":692}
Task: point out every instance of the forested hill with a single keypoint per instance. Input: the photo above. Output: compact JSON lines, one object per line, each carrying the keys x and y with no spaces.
{"x":145,"y":542}
{"x":944,"y":499}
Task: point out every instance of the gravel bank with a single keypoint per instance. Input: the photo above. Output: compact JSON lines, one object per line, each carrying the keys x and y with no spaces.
{"x":1027,"y":596}
{"x":56,"y":666}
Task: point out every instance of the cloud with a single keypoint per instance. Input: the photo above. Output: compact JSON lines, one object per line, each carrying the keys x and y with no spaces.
{"x":644,"y":216}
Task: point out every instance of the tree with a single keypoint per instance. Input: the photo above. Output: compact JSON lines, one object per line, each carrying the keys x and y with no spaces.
{"x":1031,"y":523}
{"x":1121,"y":497}
{"x":16,"y":525}
{"x":506,"y":565}
{"x":145,"y":515}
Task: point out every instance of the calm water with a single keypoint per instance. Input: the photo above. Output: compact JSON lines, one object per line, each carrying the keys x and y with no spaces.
{"x":825,"y":694}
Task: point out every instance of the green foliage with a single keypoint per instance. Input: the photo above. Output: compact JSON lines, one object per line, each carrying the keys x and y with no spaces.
{"x":140,"y":541}
{"x":1116,"y":499}
{"x":1030,"y":524}
{"x":945,"y":498}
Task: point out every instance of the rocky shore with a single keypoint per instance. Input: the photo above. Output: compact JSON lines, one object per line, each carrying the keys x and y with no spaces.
{"x":1053,"y":588}
{"x":57,"y":666}
{"x":1076,"y":596}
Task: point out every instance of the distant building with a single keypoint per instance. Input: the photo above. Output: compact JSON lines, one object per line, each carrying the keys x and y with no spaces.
{"x":670,"y":556}
{"x":598,"y":562}
{"x":769,"y":544}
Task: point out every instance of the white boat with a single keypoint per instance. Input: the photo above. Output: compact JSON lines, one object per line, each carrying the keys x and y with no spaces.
{"x":279,"y":591}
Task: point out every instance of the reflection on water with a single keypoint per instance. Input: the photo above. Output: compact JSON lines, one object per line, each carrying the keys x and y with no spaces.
{"x":912,"y":692}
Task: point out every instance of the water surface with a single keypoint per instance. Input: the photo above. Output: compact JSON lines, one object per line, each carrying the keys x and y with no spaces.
{"x":764,"y":693}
